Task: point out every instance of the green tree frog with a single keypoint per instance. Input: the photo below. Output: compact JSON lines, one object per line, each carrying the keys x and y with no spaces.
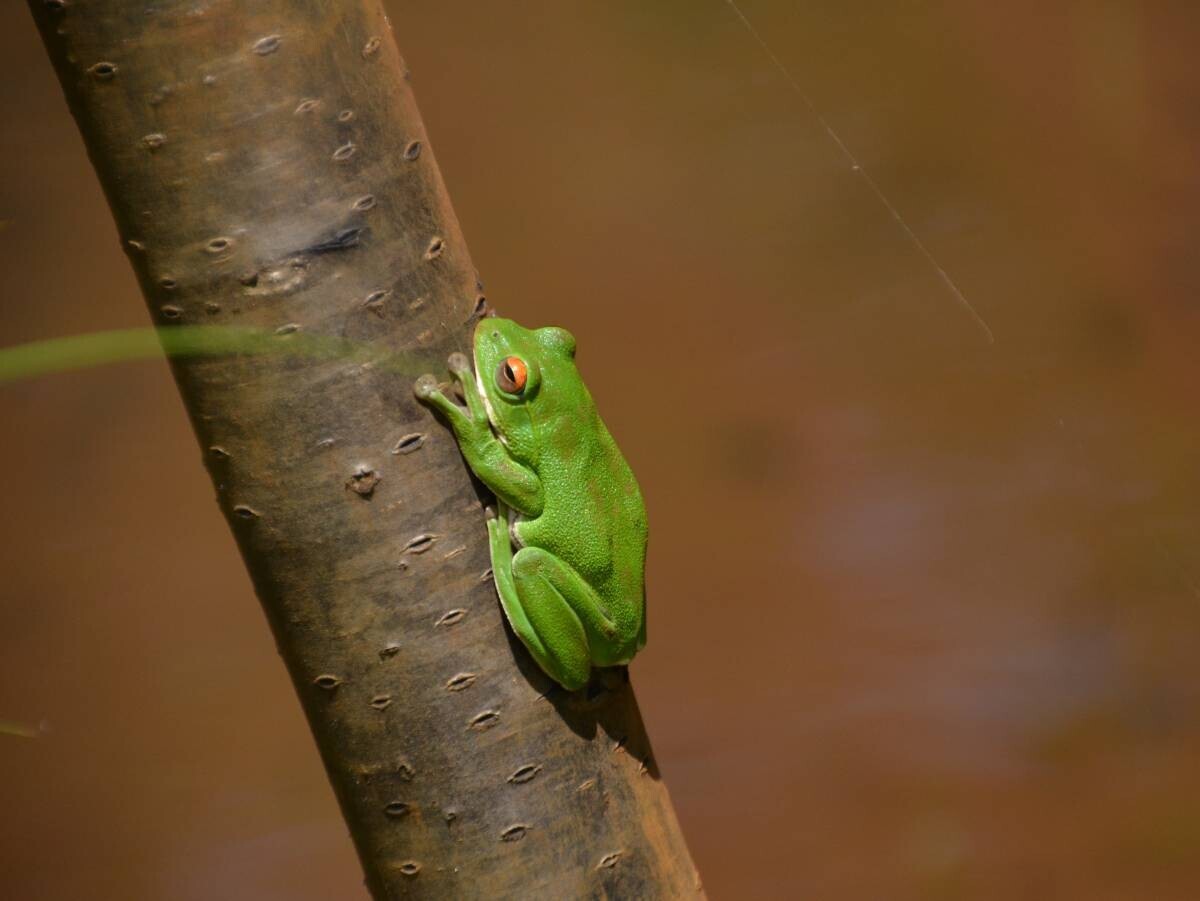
{"x":567,"y":502}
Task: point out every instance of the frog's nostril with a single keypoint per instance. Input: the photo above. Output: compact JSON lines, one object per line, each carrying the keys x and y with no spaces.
{"x":495,"y":334}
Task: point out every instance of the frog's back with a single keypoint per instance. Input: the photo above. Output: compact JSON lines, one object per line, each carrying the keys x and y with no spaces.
{"x":594,"y":519}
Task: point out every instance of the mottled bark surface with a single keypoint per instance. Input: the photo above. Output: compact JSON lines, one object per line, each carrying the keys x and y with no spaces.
{"x":267,"y":168}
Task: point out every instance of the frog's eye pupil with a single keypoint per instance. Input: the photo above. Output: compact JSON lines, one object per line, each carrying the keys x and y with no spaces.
{"x":511,"y":375}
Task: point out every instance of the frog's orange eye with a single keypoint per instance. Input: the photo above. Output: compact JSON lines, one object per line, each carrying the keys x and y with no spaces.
{"x":511,"y":375}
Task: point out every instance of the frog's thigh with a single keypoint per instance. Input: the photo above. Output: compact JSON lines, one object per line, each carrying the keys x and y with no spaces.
{"x":554,"y":622}
{"x":514,"y":612}
{"x":579,"y":595}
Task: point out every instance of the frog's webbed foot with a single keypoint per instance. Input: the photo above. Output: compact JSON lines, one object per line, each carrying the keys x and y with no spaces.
{"x":427,"y":385}
{"x":429,"y":391}
{"x":484,"y":453}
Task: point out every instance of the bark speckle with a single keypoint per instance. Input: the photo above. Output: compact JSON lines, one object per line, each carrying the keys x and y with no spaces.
{"x":328,"y":681}
{"x":268,"y":45}
{"x":375,"y":300}
{"x":484,"y":720}
{"x":364,"y":481}
{"x":461,"y":681}
{"x":514,"y":833}
{"x":103,"y":71}
{"x":419,"y":544}
{"x":409,"y":443}
{"x":525,"y":773}
{"x":450,"y":617}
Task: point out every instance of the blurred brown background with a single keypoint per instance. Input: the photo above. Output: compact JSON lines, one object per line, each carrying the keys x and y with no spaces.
{"x":925,"y":609}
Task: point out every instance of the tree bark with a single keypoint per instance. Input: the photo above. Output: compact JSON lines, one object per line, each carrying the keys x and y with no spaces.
{"x":267,"y":168}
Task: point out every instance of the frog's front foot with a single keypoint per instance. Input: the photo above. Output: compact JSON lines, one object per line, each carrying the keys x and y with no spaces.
{"x":426,"y":387}
{"x":459,"y":365}
{"x":469,"y":424}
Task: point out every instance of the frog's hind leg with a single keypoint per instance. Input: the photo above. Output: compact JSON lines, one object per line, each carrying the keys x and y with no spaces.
{"x":510,"y":599}
{"x":566,"y":613}
{"x":561,"y":643}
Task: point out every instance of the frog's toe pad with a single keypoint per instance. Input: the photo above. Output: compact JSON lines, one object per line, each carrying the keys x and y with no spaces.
{"x":425,"y":387}
{"x":458,"y":363}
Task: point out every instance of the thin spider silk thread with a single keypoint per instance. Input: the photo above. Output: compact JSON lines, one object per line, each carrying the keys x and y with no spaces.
{"x":857,"y":167}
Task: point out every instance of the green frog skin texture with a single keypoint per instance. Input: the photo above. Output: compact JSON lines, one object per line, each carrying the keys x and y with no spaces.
{"x":568,"y":540}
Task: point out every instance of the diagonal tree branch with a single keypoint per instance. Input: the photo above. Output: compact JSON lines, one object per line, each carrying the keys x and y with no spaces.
{"x":267,"y":169}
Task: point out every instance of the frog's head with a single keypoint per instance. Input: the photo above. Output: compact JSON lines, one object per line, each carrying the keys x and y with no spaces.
{"x":519,"y":371}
